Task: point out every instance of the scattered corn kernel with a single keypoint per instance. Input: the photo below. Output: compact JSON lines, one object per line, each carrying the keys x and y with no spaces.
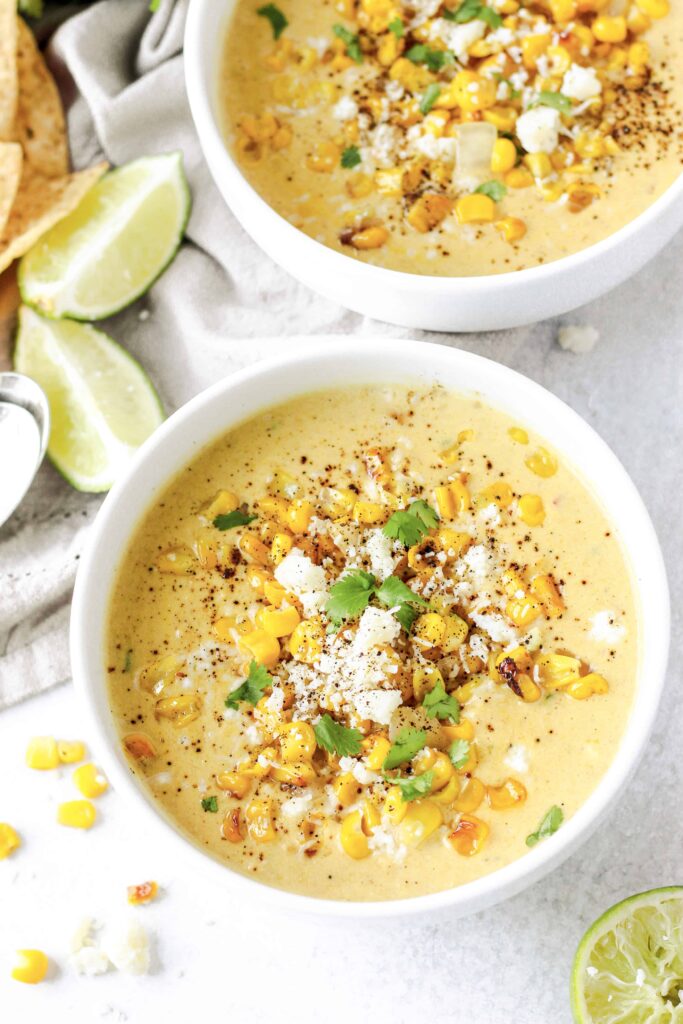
{"x":77,"y":814}
{"x":90,"y":781}
{"x":32,"y":966}
{"x":42,"y":753}
{"x":142,"y":893}
{"x":70,"y":751}
{"x":9,"y":840}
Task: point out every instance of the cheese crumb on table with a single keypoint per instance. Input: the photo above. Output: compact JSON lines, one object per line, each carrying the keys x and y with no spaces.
{"x":577,"y":338}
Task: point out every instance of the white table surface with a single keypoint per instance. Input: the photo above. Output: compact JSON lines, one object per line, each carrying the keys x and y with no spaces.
{"x":238,"y":963}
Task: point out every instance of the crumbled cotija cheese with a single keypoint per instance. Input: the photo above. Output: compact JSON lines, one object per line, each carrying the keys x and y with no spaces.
{"x":581,"y":83}
{"x":376,"y":627}
{"x":605,"y":629}
{"x":298,"y":574}
{"x":577,"y":338}
{"x":538,"y":129}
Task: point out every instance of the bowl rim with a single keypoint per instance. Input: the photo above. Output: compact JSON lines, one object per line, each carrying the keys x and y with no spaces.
{"x":89,"y":608}
{"x":201,"y":22}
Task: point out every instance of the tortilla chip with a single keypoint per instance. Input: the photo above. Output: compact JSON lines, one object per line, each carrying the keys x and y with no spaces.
{"x":10,"y":176}
{"x":9,"y":304}
{"x":8,"y":68}
{"x":40,"y":126}
{"x":40,"y":203}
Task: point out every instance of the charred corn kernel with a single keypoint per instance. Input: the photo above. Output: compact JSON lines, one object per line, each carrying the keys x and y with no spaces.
{"x":531,"y":510}
{"x":509,"y":794}
{"x":452,"y":499}
{"x":542,"y":462}
{"x":259,"y":128}
{"x":90,"y":781}
{"x":77,"y":814}
{"x":504,"y":156}
{"x":429,"y":211}
{"x":370,"y":238}
{"x":395,"y":807}
{"x":533,"y":47}
{"x":377,"y":466}
{"x":258,"y":815}
{"x":158,"y":675}
{"x":252,"y":547}
{"x":470,"y":796}
{"x":224,"y":628}
{"x":519,"y":177}
{"x":180,"y":710}
{"x":324,"y":158}
{"x":425,"y":678}
{"x":519,"y":655}
{"x":539,"y":164}
{"x":9,"y":840}
{"x":345,"y":788}
{"x":421,"y":819}
{"x":280,"y":623}
{"x":234,"y":784}
{"x":262,"y":647}
{"x":545,"y":589}
{"x":258,"y":767}
{"x":528,"y":689}
{"x":389,"y":182}
{"x":464,"y":730}
{"x":368,"y":513}
{"x":557,"y":670}
{"x":560,"y":59}
{"x":455,"y":634}
{"x":177,"y":561}
{"x":42,"y":753}
{"x":224,"y":503}
{"x":500,"y":494}
{"x":522,"y":611}
{"x":31,"y":967}
{"x":299,"y":515}
{"x":519,"y":435}
{"x":297,"y":741}
{"x":280,"y":547}
{"x":586,"y":686}
{"x":511,"y":229}
{"x":475,"y":209}
{"x":438,"y":763}
{"x":454,"y":542}
{"x":306,"y":642}
{"x":375,"y":757}
{"x":562,"y":10}
{"x":142,"y":893}
{"x":353,"y":839}
{"x":257,"y":578}
{"x":231,"y":828}
{"x":411,"y":76}
{"x":302,"y":773}
{"x":274,"y":592}
{"x":608,"y":29}
{"x":430,"y":629}
{"x":469,"y":835}
{"x":139,"y":746}
{"x":449,"y":792}
{"x":248,"y":149}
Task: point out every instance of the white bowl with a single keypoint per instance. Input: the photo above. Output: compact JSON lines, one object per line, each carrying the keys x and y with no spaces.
{"x":412,"y":300}
{"x":238,"y":397}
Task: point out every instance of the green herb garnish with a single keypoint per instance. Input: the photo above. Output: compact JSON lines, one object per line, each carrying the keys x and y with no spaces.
{"x":252,"y":689}
{"x":556,"y":100}
{"x":414,"y":787}
{"x":471,"y":9}
{"x":277,"y":20}
{"x":495,"y":190}
{"x":351,"y":41}
{"x":128,"y":663}
{"x":397,"y":27}
{"x":398,"y":596}
{"x":350,"y":157}
{"x":514,"y":93}
{"x":459,"y":753}
{"x":210,"y":803}
{"x":410,"y":525}
{"x":434,"y":59}
{"x":350,"y":596}
{"x":439,"y":704}
{"x":409,"y":741}
{"x":233,"y":519}
{"x":549,"y":825}
{"x":429,"y":97}
{"x":336,"y":738}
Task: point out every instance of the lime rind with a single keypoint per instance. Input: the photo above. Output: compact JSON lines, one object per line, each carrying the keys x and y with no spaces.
{"x":628,"y":968}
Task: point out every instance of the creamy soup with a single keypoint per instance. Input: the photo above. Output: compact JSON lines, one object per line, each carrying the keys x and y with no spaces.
{"x":373,"y":643}
{"x":438,"y":137}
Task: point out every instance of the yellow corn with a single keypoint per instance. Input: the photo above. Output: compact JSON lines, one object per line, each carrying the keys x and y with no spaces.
{"x":421,"y":819}
{"x":253,"y":548}
{"x":435,"y":761}
{"x":274,"y":592}
{"x":297,"y":741}
{"x":324,"y":158}
{"x":429,"y":211}
{"x":371,"y":817}
{"x":306,"y":642}
{"x":545,"y":589}
{"x":509,"y":794}
{"x":9,"y":840}
{"x":299,"y":515}
{"x":377,"y":753}
{"x":562,"y":10}
{"x":224,"y":628}
{"x":370,"y":238}
{"x":142,"y":893}
{"x":499,"y":494}
{"x":231,"y":827}
{"x":453,"y":542}
{"x":453,"y":498}
{"x":234,"y":783}
{"x":557,"y":670}
{"x":259,"y":818}
{"x":302,"y":773}
{"x":469,"y":835}
{"x":586,"y":686}
{"x":70,"y":751}
{"x":262,"y":647}
{"x":254,"y":768}
{"x":455,"y":634}
{"x":180,"y":710}
{"x":511,"y":229}
{"x":519,"y":177}
{"x":638,"y":21}
{"x":609,"y":30}
{"x":450,"y":791}
{"x":470,"y":796}
{"x":42,"y":753}
{"x":519,"y":435}
{"x":281,"y":545}
{"x":531,"y":510}
{"x":224,"y":503}
{"x":502,"y":118}
{"x":638,"y":55}
{"x":346,"y":789}
{"x":464,"y":730}
{"x":522,"y":611}
{"x":539,"y":164}
{"x":368,"y":512}
{"x":77,"y":814}
{"x":177,"y":562}
{"x":533,"y":47}
{"x":425,"y":678}
{"x":90,"y":781}
{"x":280,"y":623}
{"x":542,"y":462}
{"x":430,"y":628}
{"x":654,"y":8}
{"x":475,"y":209}
{"x":395,"y":807}
{"x":32,"y":966}
{"x":353,"y":839}
{"x":139,"y":746}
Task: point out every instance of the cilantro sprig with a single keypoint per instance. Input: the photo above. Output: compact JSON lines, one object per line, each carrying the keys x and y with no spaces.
{"x":556,"y":100}
{"x":351,"y":41}
{"x":411,"y":524}
{"x":397,"y":28}
{"x":232,"y":519}
{"x":459,"y":753}
{"x":210,"y":803}
{"x":336,"y":738}
{"x":351,"y":595}
{"x":415,"y":786}
{"x":495,"y":190}
{"x":278,"y":22}
{"x":439,"y":704}
{"x":252,"y":689}
{"x":434,"y":59}
{"x":429,"y":98}
{"x":548,"y":826}
{"x":471,"y":9}
{"x":350,"y":157}
{"x":409,"y":742}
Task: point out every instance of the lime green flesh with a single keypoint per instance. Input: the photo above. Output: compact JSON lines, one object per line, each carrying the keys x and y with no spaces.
{"x":113,"y":246}
{"x":628,"y":968}
{"x":102,"y":404}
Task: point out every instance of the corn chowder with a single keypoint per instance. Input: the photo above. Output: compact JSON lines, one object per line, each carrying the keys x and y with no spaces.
{"x":439,"y":137}
{"x":372,"y":629}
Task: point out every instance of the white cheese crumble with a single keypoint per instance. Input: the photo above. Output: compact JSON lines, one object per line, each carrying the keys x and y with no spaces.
{"x":376,"y":627}
{"x":490,"y":515}
{"x":378,"y":705}
{"x":457,"y":38}
{"x":386,"y":141}
{"x":346,"y":109}
{"x":477,"y":562}
{"x":381,"y":840}
{"x":379,"y":549}
{"x":605,"y":629}
{"x":296,"y":806}
{"x":128,"y":948}
{"x":581,"y":83}
{"x":90,"y":960}
{"x":296,"y":572}
{"x":578,"y":338}
{"x":538,"y":129}
{"x":356,"y":768}
{"x":517,"y":758}
{"x":495,"y":625}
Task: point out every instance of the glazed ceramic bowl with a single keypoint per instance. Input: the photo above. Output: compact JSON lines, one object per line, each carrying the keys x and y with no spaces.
{"x":245,"y":394}
{"x":412,"y":300}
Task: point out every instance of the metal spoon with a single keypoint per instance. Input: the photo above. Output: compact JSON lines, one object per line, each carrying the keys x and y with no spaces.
{"x":24,"y":433}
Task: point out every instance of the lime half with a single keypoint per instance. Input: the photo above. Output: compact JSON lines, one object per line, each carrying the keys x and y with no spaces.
{"x":121,"y":236}
{"x":629,"y":965}
{"x":102,"y":403}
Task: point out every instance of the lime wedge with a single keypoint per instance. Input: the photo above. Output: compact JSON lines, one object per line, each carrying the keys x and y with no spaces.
{"x":102,"y":403}
{"x":629,"y":964}
{"x":121,"y":236}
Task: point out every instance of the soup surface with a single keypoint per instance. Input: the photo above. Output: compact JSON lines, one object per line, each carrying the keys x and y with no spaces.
{"x":372,"y":644}
{"x":438,"y":137}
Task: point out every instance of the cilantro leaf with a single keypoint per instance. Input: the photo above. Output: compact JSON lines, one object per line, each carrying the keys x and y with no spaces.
{"x":493,"y":189}
{"x":350,"y":157}
{"x":252,"y":689}
{"x":350,"y":595}
{"x":210,"y":803}
{"x":414,"y":787}
{"x":459,"y":752}
{"x":406,"y":615}
{"x":410,"y":525}
{"x":128,"y":663}
{"x":471,"y":9}
{"x":336,"y":738}
{"x":397,"y":27}
{"x":277,"y":20}
{"x":514,"y":94}
{"x":153,"y":6}
{"x":434,"y":59}
{"x":429,"y":97}
{"x":557,"y":100}
{"x":439,"y":704}
{"x":233,"y":519}
{"x":423,"y":511}
{"x":409,"y":741}
{"x":550,"y":824}
{"x":351,"y":41}
{"x":395,"y":594}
